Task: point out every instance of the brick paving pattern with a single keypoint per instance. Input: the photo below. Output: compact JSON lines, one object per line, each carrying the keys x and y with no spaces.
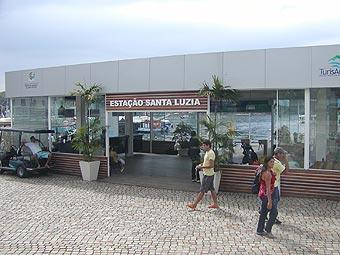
{"x":59,"y":214}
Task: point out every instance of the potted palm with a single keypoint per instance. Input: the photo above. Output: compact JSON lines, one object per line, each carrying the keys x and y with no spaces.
{"x":181,"y":138}
{"x":87,"y":139}
{"x":221,"y":141}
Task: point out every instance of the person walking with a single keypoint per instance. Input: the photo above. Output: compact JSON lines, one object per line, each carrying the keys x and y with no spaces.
{"x":279,"y":155}
{"x":208,"y":177}
{"x":194,"y":154}
{"x":268,"y":204}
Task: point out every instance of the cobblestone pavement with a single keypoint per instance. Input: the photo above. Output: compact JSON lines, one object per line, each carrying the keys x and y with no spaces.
{"x":59,"y":214}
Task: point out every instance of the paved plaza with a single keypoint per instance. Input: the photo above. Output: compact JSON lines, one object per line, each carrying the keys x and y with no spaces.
{"x":59,"y":214}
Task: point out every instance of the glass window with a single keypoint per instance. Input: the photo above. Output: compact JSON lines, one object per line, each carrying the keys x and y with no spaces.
{"x":30,"y":113}
{"x":63,"y":122}
{"x":289,"y":125}
{"x":97,"y":110}
{"x":252,"y":135}
{"x":325,"y":129}
{"x":250,"y":122}
{"x":259,"y":122}
{"x":164,"y":123}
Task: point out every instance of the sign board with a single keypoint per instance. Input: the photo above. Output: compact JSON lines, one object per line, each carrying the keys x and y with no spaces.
{"x":157,"y":102}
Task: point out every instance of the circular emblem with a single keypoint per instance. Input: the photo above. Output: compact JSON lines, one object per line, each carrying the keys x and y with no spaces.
{"x":31,"y":76}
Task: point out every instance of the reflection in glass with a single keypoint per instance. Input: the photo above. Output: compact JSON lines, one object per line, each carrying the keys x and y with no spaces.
{"x":63,"y":122}
{"x":325,"y":129}
{"x":289,"y":125}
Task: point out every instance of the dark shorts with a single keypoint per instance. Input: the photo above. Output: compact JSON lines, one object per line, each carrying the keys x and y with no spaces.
{"x":207,"y":184}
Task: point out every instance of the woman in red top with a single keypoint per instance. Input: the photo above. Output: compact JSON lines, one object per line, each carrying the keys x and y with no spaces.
{"x":266,"y":195}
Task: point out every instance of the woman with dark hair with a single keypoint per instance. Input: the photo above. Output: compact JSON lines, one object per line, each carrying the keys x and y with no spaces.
{"x":266,"y":194}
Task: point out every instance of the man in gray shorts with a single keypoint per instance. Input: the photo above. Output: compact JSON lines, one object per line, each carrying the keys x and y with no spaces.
{"x":208,"y":177}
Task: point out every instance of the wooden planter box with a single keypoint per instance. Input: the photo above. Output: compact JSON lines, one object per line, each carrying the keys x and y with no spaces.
{"x":297,"y":183}
{"x":67,"y":163}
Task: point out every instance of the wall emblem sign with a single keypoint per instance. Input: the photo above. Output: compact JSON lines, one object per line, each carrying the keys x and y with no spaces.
{"x":333,"y":68}
{"x":31,"y":84}
{"x":31,"y":76}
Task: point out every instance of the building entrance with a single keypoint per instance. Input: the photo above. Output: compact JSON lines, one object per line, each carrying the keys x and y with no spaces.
{"x":145,"y":123}
{"x":153,"y":132}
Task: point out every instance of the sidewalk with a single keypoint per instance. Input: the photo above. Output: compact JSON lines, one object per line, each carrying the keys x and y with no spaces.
{"x":59,"y":214}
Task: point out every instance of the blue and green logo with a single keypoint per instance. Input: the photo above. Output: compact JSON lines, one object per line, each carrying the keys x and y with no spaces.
{"x":334,"y":67}
{"x":335,"y":61}
{"x":31,"y":76}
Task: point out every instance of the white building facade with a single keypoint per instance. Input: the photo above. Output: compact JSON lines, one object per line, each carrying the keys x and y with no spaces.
{"x":289,"y":97}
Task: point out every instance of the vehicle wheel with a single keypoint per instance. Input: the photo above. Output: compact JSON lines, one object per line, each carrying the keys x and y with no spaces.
{"x":21,"y":172}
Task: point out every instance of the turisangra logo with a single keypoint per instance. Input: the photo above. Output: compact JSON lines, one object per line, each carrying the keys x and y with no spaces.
{"x":335,"y":61}
{"x":31,"y":76}
{"x":334,"y":69}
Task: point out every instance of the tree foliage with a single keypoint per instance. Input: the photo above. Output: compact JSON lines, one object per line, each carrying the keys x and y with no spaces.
{"x":182,"y":134}
{"x":221,"y":141}
{"x":87,"y":140}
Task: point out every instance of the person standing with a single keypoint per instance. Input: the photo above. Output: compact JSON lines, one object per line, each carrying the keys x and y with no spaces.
{"x":208,"y":177}
{"x":266,"y":194}
{"x":280,"y":155}
{"x":194,"y":154}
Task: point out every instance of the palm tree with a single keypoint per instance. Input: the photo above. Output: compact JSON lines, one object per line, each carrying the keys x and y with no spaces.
{"x":88,"y":94}
{"x":218,"y":93}
{"x":86,"y":139}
